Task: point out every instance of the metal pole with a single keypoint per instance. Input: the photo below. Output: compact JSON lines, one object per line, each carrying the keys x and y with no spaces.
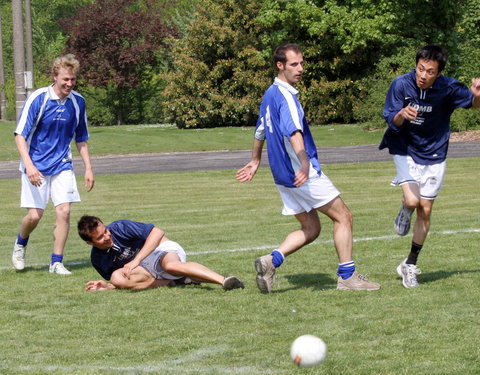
{"x":3,"y":100}
{"x":29,"y":79}
{"x":18,"y":56}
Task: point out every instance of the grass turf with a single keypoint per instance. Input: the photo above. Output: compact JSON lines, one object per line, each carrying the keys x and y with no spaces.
{"x":50,"y":325}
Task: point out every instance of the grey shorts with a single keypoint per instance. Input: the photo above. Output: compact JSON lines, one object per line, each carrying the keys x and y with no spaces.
{"x":153,"y":261}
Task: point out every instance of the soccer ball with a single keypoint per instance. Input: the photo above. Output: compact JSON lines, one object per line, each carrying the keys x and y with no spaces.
{"x":308,"y":351}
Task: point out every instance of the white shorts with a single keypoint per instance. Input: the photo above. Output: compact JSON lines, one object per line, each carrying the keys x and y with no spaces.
{"x":314,"y":193}
{"x":152,"y":262}
{"x":428,"y":177}
{"x":61,"y":188}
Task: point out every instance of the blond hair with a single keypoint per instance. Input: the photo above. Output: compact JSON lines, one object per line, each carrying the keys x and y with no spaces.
{"x":68,"y":62}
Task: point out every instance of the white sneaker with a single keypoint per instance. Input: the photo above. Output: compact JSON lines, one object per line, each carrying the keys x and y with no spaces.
{"x":18,"y":256}
{"x":402,"y":221}
{"x":59,"y":269}
{"x":408,"y":273}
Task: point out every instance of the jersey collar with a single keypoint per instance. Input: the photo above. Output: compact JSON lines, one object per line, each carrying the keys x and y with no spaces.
{"x":286,"y":85}
{"x":53,"y":95}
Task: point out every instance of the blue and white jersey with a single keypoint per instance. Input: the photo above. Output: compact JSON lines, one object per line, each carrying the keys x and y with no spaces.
{"x":281,"y":115}
{"x":426,"y":138}
{"x":49,"y":124}
{"x":128,"y":239}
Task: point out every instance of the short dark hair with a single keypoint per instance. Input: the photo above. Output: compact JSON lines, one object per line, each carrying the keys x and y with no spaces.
{"x":435,"y":53}
{"x":86,"y":225}
{"x":280,"y":53}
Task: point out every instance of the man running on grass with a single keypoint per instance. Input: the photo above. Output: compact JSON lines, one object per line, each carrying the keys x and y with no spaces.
{"x":417,"y":110}
{"x":135,"y":255}
{"x":304,"y":188}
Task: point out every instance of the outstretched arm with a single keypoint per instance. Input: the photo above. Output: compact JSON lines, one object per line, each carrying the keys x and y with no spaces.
{"x":248,"y":171}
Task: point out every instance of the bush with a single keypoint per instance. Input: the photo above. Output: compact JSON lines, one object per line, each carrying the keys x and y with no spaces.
{"x":327,"y":102}
{"x":373,"y":90}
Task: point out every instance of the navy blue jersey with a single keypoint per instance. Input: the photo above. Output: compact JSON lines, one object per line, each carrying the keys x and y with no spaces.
{"x":49,"y":124}
{"x":281,"y":115}
{"x":426,"y":138}
{"x":128,"y":239}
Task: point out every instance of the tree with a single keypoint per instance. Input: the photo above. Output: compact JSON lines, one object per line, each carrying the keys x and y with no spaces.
{"x":219,"y":71}
{"x":119,"y":43}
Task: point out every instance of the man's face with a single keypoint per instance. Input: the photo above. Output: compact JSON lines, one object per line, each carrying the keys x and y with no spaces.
{"x":426,"y":72}
{"x":291,"y":71}
{"x":101,"y":237}
{"x":64,"y":83}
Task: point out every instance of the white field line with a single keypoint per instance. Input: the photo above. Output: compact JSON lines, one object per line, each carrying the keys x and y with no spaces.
{"x":264,"y":247}
{"x":183,"y":365}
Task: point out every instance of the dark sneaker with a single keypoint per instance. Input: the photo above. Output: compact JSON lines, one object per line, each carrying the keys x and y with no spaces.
{"x":183,"y":281}
{"x":265,"y":273}
{"x":232,"y":282}
{"x":356,"y":282}
{"x":402,"y":222}
{"x":408,"y":273}
{"x":18,"y":256}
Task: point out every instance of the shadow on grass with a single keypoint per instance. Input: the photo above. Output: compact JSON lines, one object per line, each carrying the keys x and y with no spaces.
{"x":316,"y":281}
{"x":431,"y":277}
{"x":71,"y":266}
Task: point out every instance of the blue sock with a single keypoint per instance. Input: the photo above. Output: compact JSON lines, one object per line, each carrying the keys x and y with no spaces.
{"x":278,"y":258}
{"x":346,"y":270}
{"x":22,"y":241}
{"x":57,"y":258}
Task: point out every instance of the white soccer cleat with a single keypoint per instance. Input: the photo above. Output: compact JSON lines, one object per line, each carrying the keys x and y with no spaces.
{"x":59,"y":269}
{"x":18,"y":256}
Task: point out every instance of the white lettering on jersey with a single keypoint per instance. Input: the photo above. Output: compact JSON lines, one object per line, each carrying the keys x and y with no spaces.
{"x":268,"y":120}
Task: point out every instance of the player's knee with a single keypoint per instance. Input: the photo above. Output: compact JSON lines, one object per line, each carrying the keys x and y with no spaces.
{"x":119,"y":280}
{"x":63,"y":212}
{"x":173,"y":268}
{"x":412,"y":202}
{"x":311,"y":232}
{"x":34,"y":216}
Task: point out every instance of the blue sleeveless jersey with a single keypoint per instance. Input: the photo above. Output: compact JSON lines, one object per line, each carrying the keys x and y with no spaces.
{"x":281,"y":115}
{"x":426,"y":138}
{"x":49,"y":124}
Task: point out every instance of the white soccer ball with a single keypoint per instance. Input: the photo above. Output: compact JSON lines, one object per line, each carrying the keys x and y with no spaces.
{"x":308,"y":351}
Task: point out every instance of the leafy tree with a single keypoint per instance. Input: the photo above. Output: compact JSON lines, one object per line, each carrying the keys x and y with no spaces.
{"x":219,"y":72}
{"x":120,"y":43}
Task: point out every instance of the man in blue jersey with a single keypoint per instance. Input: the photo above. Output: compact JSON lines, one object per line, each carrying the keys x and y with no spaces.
{"x":135,"y":255}
{"x":417,"y":110}
{"x":304,"y":188}
{"x":51,"y":117}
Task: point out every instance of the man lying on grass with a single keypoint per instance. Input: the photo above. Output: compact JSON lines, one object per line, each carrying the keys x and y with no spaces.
{"x":133,"y":255}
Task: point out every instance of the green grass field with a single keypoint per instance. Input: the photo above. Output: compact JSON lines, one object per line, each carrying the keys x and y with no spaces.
{"x":163,"y":138}
{"x":50,"y":325}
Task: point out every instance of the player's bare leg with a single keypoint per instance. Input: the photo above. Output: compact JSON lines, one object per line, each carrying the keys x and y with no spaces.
{"x":309,"y":231}
{"x":171,"y":264}
{"x":342,"y":219}
{"x":348,"y":278}
{"x":30,"y":221}
{"x":62,"y":227}
{"x":139,"y":279}
{"x":422,"y":223}
{"x":60,"y":235}
{"x":27,"y":226}
{"x":410,"y":201}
